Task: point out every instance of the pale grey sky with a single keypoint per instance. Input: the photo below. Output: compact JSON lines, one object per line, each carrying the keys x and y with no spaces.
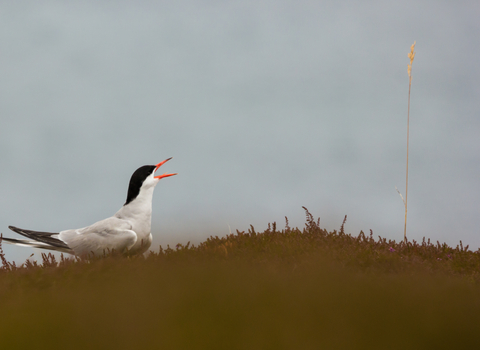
{"x":265,"y":106}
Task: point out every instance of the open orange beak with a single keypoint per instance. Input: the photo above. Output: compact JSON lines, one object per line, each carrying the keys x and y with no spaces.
{"x":164,"y":175}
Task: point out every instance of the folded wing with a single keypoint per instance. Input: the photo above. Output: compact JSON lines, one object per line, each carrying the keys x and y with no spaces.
{"x":42,"y":240}
{"x":112,"y":234}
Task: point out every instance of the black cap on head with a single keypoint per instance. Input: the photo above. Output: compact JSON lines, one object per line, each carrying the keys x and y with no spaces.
{"x":136,"y":181}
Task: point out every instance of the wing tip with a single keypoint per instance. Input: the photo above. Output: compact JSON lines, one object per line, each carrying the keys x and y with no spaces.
{"x":14,"y":229}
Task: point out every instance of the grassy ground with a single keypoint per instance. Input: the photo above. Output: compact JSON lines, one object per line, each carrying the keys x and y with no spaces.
{"x":278,"y":289}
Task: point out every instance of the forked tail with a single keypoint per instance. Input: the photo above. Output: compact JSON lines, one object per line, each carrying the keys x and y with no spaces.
{"x":42,"y":240}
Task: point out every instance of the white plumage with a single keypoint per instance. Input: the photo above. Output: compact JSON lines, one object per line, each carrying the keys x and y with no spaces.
{"x":128,"y":231}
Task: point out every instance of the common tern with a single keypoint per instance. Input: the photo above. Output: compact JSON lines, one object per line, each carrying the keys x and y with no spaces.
{"x":128,"y":231}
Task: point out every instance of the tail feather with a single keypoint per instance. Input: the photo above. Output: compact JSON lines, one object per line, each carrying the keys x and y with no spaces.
{"x":45,"y":238}
{"x":33,"y":244}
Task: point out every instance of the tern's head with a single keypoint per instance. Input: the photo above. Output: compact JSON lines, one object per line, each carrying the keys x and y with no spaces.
{"x":144,"y":177}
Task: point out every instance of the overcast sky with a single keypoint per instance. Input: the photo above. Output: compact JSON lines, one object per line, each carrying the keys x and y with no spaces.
{"x":266,"y":106}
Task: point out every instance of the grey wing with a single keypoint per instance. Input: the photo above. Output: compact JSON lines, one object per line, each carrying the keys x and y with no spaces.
{"x":100,"y":238}
{"x":44,"y":240}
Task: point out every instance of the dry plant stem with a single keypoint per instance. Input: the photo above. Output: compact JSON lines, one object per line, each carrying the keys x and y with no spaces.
{"x":406,"y":184}
{"x":411,"y":55}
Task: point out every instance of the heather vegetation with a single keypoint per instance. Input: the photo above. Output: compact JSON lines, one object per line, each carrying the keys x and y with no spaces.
{"x":283,"y":288}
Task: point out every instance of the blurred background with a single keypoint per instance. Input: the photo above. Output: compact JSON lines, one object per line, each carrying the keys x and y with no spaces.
{"x":266,"y":106}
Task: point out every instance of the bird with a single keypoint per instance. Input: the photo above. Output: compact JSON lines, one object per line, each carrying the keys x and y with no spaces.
{"x":128,"y":231}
